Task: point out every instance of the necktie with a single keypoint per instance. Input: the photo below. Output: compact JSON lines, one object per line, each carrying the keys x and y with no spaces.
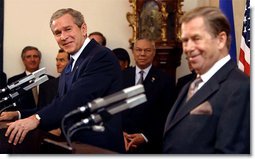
{"x":35,"y":94}
{"x":193,"y":87}
{"x":68,"y":75}
{"x":140,"y":81}
{"x":69,"y":66}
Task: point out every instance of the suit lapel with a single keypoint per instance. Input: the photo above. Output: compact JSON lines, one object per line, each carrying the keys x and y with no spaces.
{"x":151,"y":76}
{"x":209,"y":88}
{"x":177,"y":104}
{"x":76,"y":69}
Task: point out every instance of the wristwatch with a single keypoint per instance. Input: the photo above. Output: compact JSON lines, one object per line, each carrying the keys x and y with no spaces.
{"x":37,"y":117}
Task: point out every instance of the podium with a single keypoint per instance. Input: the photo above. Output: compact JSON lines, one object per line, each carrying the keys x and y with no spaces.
{"x":77,"y":148}
{"x":30,"y":145}
{"x":41,"y":142}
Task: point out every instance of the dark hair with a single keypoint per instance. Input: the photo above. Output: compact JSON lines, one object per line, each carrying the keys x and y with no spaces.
{"x":214,"y":19}
{"x":77,"y":16}
{"x":122,"y":54}
{"x":144,"y":38}
{"x":99,"y":34}
{"x":27,"y":48}
{"x":63,"y":51}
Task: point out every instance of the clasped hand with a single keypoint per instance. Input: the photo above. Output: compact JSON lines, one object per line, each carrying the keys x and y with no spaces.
{"x":132,"y":141}
{"x":18,"y":130}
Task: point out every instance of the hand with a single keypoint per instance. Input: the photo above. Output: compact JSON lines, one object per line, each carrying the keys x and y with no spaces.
{"x":126,"y":140}
{"x":18,"y":130}
{"x":10,"y":116}
{"x":56,"y":132}
{"x":133,"y":140}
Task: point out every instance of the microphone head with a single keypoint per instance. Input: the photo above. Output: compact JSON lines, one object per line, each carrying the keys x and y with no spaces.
{"x":116,"y":97}
{"x":127,"y":104}
{"x":134,"y":90}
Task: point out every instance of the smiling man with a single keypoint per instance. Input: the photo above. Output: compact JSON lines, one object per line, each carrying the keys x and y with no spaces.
{"x":212,"y":115}
{"x":80,"y":83}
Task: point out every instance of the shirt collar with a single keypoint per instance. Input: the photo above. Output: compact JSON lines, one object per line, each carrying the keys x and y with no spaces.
{"x":146,"y":70}
{"x":77,"y":54}
{"x":27,"y":72}
{"x":206,"y":76}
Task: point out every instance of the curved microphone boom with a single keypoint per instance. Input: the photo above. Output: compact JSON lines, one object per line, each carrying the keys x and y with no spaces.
{"x":106,"y":101}
{"x":106,"y":114}
{"x":99,"y":105}
{"x":17,"y":84}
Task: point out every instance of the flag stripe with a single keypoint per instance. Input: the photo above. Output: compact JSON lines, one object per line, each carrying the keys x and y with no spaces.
{"x":244,"y":56}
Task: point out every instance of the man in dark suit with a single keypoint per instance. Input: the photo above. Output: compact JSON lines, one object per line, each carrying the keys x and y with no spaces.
{"x":50,"y":87}
{"x":48,"y":91}
{"x":143,"y":126}
{"x":80,"y":83}
{"x":3,"y":79}
{"x":99,"y":37}
{"x":31,"y":58}
{"x":216,"y":119}
{"x":123,"y":57}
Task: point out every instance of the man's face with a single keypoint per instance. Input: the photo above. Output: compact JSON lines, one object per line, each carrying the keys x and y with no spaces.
{"x":61,"y":61}
{"x":31,"y":60}
{"x":201,"y":48}
{"x":67,"y":34}
{"x":144,"y":53}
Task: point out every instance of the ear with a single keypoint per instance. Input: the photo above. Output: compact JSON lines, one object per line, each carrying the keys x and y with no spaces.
{"x":84,"y":29}
{"x":222,"y":40}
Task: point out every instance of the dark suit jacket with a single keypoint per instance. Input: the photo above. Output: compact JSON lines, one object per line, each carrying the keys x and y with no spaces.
{"x":3,"y":79}
{"x":182,"y":81}
{"x":48,"y":90}
{"x":96,"y":74}
{"x":25,"y":101}
{"x":149,"y":118}
{"x":215,"y":120}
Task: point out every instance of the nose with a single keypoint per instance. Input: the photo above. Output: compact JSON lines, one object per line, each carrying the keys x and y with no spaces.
{"x":188,"y":46}
{"x":142,"y":52}
{"x":63,"y":36}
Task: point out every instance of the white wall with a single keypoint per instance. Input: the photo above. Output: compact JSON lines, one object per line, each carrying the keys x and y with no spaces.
{"x":26,"y":22}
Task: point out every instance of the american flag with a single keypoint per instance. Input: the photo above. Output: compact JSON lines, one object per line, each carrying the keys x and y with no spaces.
{"x":244,"y":57}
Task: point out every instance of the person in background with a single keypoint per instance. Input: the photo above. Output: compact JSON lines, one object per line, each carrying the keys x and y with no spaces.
{"x":31,"y":58}
{"x":99,"y":37}
{"x":123,"y":57}
{"x":47,"y":93}
{"x":143,"y":125}
{"x":212,"y":113}
{"x":79,"y":84}
{"x":185,"y":79}
{"x":3,"y":79}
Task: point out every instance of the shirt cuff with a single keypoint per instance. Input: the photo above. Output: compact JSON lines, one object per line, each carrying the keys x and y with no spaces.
{"x":146,"y":140}
{"x":19,"y":115}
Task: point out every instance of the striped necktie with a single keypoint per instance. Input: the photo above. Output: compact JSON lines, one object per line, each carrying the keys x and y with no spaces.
{"x":140,"y":81}
{"x":69,"y":66}
{"x":194,"y":87}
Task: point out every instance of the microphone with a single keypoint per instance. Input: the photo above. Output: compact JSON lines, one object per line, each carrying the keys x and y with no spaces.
{"x":110,"y":99}
{"x":106,"y":114}
{"x":16,"y":84}
{"x":17,"y":92}
{"x":34,"y":83}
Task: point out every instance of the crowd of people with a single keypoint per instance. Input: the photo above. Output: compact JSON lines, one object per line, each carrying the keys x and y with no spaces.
{"x":208,"y":111}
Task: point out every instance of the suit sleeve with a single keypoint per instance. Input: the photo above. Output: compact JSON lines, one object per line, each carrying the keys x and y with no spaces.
{"x":233,"y":131}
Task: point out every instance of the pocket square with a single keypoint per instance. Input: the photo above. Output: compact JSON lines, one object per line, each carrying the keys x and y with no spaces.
{"x":203,"y":109}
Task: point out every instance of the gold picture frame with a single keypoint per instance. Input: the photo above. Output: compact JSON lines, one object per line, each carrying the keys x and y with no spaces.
{"x":156,"y":19}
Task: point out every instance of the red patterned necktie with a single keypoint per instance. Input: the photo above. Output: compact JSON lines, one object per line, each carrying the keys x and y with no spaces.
{"x":193,"y":87}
